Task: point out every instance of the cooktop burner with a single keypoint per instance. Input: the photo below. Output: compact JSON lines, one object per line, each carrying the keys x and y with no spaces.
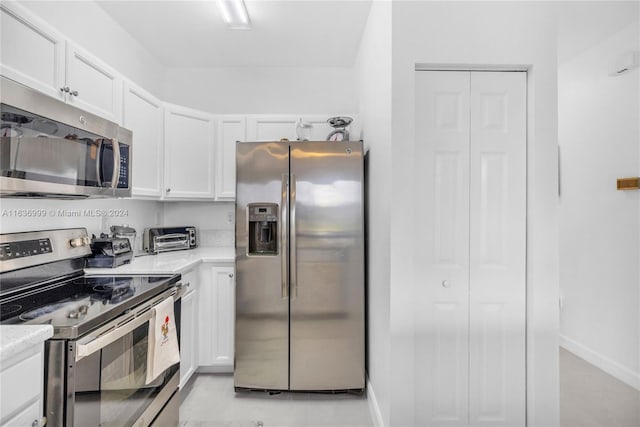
{"x":71,"y":304}
{"x":42,"y":311}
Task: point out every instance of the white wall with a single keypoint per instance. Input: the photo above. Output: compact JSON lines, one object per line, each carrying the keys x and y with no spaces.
{"x":254,"y":90}
{"x":91,"y":27}
{"x":478,"y":33}
{"x":373,"y":74}
{"x":599,"y":136}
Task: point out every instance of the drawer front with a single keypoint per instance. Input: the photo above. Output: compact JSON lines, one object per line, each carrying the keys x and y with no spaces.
{"x":21,"y":383}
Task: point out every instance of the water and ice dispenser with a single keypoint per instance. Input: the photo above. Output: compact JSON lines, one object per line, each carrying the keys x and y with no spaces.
{"x":263,"y":228}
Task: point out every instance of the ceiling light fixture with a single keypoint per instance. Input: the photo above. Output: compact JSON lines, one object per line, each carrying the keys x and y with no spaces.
{"x":234,"y":13}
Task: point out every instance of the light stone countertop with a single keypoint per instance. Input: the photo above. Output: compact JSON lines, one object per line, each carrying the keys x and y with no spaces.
{"x":169,"y":262}
{"x":15,"y":339}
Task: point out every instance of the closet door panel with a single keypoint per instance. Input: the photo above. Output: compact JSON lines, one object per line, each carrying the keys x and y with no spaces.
{"x":497,"y":248}
{"x":442,"y":310}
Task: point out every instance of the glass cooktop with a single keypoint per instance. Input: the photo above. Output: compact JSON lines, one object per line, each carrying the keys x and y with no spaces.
{"x":79,"y":304}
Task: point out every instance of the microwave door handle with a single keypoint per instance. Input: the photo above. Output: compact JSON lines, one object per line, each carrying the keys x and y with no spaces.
{"x":99,"y":162}
{"x":116,"y":164}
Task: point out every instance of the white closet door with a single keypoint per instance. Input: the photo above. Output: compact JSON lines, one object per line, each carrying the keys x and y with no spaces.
{"x":470,"y":303}
{"x":497,"y":248}
{"x":442,"y":310}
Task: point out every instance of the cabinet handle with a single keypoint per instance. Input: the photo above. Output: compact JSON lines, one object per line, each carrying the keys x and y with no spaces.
{"x":64,"y":89}
{"x":74,"y":93}
{"x":231,"y":275}
{"x":446,"y":284}
{"x":168,"y":190}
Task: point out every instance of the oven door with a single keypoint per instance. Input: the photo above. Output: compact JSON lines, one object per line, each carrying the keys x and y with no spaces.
{"x":108,"y":387}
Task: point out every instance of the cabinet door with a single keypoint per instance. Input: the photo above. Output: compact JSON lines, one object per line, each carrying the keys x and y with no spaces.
{"x":189,"y":153}
{"x":497,"y":249}
{"x":276,"y":127}
{"x":31,"y":415}
{"x":470,"y":325}
{"x":271,"y":128}
{"x":143,"y":115}
{"x":442,"y":349}
{"x":31,"y":52}
{"x":217,"y":317}
{"x":93,"y":85}
{"x":230,"y":130}
{"x":188,"y":323}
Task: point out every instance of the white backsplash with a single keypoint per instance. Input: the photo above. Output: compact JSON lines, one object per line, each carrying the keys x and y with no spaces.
{"x":214,"y":222}
{"x":216,"y":238}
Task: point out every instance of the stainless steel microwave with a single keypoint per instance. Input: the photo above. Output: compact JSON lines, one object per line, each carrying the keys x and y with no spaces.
{"x":52,"y":149}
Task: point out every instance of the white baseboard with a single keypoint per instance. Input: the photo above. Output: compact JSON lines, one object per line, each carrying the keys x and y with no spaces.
{"x":611,"y":367}
{"x":213,"y":369}
{"x":374,"y":409}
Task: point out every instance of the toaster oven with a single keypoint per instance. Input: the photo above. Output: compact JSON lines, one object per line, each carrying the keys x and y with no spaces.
{"x":164,"y":239}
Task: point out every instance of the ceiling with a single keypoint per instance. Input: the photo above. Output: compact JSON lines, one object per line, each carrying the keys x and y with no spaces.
{"x":302,"y":33}
{"x":583,"y":24}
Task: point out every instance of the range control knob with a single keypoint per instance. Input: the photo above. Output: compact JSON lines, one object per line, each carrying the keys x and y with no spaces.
{"x":79,"y":241}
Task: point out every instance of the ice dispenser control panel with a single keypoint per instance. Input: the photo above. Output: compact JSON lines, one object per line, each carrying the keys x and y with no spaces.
{"x":263,"y":228}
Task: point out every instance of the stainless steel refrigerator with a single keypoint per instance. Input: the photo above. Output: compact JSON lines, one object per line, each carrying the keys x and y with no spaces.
{"x":300,"y":294}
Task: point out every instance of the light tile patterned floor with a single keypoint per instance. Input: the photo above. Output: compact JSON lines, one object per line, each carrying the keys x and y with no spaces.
{"x":589,"y":397}
{"x":210,"y":401}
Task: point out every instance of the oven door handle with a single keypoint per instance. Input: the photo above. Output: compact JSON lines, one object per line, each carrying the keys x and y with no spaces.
{"x":121,"y":327}
{"x":85,"y":349}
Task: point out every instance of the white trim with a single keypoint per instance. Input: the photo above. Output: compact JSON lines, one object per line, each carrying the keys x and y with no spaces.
{"x":374,"y":409}
{"x":470,"y":67}
{"x":611,"y":367}
{"x":215,"y":369}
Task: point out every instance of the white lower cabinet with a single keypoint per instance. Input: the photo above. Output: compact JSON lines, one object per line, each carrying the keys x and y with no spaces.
{"x":22,"y":385}
{"x":217,"y":317}
{"x":189,"y":327}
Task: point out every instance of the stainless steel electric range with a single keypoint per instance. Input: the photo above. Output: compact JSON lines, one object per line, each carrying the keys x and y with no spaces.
{"x":96,"y":361}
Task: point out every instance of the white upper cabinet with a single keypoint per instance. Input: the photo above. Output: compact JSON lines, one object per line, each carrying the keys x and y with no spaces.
{"x":143,"y":115}
{"x":230,"y":130}
{"x":31,"y":52}
{"x":189,"y":153}
{"x":92,"y":85}
{"x":34,"y":54}
{"x":277,"y":127}
{"x":271,"y":128}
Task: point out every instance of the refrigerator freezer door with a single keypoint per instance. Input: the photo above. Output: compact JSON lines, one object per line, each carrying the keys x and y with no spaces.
{"x":327,"y":266}
{"x":262,"y":305}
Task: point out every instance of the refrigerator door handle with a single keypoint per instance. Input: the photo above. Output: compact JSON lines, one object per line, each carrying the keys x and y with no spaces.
{"x":284,"y":270}
{"x":294,"y":264}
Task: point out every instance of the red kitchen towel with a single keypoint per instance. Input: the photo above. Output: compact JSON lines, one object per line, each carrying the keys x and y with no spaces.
{"x":163,"y":341}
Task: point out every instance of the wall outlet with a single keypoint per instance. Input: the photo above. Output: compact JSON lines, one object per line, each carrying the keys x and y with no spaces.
{"x":230,"y":218}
